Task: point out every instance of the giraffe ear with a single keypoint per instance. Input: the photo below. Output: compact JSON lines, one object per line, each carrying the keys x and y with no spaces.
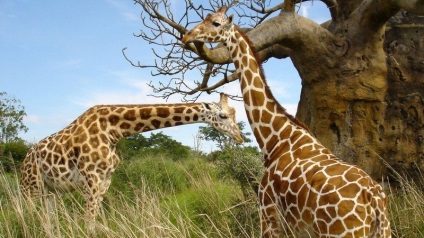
{"x":230,"y":19}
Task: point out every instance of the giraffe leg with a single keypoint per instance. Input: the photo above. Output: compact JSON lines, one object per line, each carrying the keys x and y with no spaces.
{"x":90,"y":192}
{"x":272,"y":221}
{"x":32,"y":184}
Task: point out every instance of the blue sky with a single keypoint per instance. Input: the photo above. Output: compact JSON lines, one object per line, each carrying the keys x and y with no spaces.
{"x":61,"y":57}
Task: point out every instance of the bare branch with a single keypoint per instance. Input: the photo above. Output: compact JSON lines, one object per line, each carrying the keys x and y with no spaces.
{"x":333,"y":7}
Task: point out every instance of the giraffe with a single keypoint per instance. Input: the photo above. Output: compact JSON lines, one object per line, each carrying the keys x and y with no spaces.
{"x":306,"y":190}
{"x":83,"y":155}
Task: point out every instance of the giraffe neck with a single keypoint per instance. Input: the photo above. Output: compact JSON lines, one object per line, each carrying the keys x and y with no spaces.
{"x":270,"y":123}
{"x":119,"y":121}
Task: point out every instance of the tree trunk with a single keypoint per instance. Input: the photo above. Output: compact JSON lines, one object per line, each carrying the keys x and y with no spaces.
{"x":368,"y":107}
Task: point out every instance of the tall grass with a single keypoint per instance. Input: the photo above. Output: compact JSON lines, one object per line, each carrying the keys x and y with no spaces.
{"x":188,"y":200}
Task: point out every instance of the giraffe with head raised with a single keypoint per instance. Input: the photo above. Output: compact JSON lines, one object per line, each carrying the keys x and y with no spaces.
{"x":83,"y":156}
{"x":305,"y":189}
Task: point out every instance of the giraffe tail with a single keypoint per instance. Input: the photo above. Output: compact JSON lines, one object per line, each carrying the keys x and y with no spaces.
{"x":382,"y":218}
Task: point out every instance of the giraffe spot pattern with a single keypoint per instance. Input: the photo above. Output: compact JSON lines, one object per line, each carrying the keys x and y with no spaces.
{"x":304,"y":183}
{"x":83,"y":154}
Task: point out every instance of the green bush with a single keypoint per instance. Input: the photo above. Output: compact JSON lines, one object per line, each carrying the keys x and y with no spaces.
{"x":158,"y":173}
{"x":243,"y":164}
{"x":158,"y":143}
{"x":12,"y":154}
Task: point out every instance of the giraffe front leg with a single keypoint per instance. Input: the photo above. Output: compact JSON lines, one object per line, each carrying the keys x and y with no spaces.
{"x":271,"y":222}
{"x":272,"y":219}
{"x":91,"y":194}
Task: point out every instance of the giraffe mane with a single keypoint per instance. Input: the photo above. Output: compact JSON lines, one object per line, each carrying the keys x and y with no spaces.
{"x":261,"y":72}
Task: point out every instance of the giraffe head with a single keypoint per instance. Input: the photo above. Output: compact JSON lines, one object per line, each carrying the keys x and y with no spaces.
{"x":212,"y":29}
{"x":223,"y":118}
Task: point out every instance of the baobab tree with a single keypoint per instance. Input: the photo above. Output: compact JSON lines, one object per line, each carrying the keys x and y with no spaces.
{"x":361,"y":71}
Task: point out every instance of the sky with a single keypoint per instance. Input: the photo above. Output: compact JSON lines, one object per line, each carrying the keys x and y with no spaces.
{"x":61,"y":57}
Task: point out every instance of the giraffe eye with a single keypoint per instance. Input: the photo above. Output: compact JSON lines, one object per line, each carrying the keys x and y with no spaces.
{"x":216,"y":24}
{"x":222,"y":116}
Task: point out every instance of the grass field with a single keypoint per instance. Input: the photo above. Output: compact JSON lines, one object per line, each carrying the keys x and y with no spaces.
{"x":157,"y":197}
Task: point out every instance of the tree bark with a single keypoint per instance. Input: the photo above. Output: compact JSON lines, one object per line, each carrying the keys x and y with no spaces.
{"x":362,"y":74}
{"x":371,"y":109}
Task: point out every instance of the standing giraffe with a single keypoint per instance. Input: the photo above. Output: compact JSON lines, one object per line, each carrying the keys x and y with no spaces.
{"x":83,"y":154}
{"x":305,"y":189}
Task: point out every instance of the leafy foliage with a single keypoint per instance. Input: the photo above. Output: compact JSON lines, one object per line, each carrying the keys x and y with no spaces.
{"x":158,"y":143}
{"x":11,"y":118}
{"x":209,"y":133}
{"x":243,"y":164}
{"x":12,"y":154}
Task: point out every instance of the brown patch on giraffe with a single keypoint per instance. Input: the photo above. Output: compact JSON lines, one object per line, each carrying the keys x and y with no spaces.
{"x":256,"y":114}
{"x":103,"y":111}
{"x":176,"y":118}
{"x":103,"y":138}
{"x":90,"y":120}
{"x":281,"y":149}
{"x":257,"y":82}
{"x":145,"y":113}
{"x":113,"y":119}
{"x":248,"y":77}
{"x":179,"y":110}
{"x":331,"y":211}
{"x":364,"y":182}
{"x":198,"y":108}
{"x":244,"y":60}
{"x":237,"y":64}
{"x":189,"y":111}
{"x":95,"y":156}
{"x":155,"y":123}
{"x":126,"y":133}
{"x":85,"y":148}
{"x":242,"y":47}
{"x":130,"y":115}
{"x":103,"y":123}
{"x":105,"y":151}
{"x":257,"y":136}
{"x":195,"y":118}
{"x":167,"y":124}
{"x":138,"y":126}
{"x":271,"y":142}
{"x":187,"y":118}
{"x":62,"y":170}
{"x":125,"y":125}
{"x":163,"y":112}
{"x":336,"y":169}
{"x":234,"y":53}
{"x":266,"y":117}
{"x":253,"y":65}
{"x":147,"y":128}
{"x":102,"y":165}
{"x":119,"y":110}
{"x":90,"y":167}
{"x":94,"y":129}
{"x":258,"y":98}
{"x":337,"y":227}
{"x":94,"y":142}
{"x":246,"y":96}
{"x":178,"y":123}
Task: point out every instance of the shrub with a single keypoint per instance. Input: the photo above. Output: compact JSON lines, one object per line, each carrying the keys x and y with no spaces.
{"x":243,"y":164}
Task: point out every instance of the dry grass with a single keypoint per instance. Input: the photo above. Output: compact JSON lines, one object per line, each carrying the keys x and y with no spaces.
{"x":209,"y":208}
